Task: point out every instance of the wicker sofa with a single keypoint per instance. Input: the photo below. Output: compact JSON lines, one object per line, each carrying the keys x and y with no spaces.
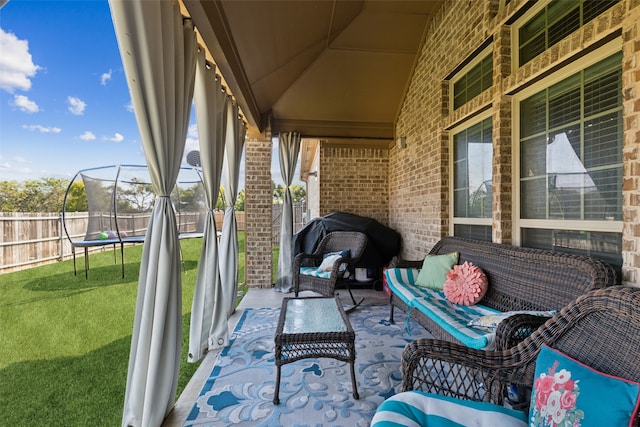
{"x":600,"y":329}
{"x":520,"y":279}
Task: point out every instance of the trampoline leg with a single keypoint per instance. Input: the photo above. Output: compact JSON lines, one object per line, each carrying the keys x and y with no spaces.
{"x":86,"y":262}
{"x":73,"y":251}
{"x":121,"y":256}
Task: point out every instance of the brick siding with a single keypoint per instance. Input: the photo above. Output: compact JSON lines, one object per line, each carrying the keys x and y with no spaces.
{"x":419,"y":174}
{"x":258,"y":201}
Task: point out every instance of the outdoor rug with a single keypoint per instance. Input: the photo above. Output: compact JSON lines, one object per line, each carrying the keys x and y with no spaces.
{"x":313,"y":392}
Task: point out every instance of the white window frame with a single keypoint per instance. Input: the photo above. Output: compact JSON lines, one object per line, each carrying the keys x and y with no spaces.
{"x":515,"y":32}
{"x":554,"y":224}
{"x":453,"y":220}
{"x":478,"y":58}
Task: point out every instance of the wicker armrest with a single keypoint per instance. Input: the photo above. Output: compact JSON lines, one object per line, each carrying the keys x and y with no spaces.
{"x":451,"y":369}
{"x":514,"y":329}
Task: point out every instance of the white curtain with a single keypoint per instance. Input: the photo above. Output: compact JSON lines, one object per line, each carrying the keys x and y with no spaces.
{"x":209,"y":326}
{"x":289,"y":148}
{"x":158,"y":54}
{"x":230,"y":174}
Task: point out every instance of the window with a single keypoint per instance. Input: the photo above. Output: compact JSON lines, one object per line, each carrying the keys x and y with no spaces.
{"x":473,"y":82}
{"x":556,"y":21}
{"x":472,"y":181}
{"x":570,"y":169}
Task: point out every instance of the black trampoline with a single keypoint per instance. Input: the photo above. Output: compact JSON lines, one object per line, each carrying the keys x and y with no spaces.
{"x":119,"y":203}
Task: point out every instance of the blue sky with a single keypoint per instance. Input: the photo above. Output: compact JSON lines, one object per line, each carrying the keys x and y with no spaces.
{"x":64,"y":101}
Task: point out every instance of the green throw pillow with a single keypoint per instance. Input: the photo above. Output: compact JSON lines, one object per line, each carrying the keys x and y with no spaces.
{"x":434,"y":270}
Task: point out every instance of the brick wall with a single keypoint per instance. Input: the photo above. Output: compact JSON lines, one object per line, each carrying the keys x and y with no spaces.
{"x":354,"y":180}
{"x":258,"y":200}
{"x":631,"y":165}
{"x":419,"y":181}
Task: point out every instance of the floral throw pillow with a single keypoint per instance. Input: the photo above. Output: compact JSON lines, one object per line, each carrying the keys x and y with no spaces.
{"x":466,"y":284}
{"x":569,"y":393}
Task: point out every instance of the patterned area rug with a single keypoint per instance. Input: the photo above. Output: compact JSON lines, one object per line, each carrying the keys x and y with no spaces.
{"x":313,"y":392}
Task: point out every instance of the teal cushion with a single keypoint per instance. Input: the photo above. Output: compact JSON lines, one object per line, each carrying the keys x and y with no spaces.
{"x":567,"y":392}
{"x":417,"y":408}
{"x":434,"y":270}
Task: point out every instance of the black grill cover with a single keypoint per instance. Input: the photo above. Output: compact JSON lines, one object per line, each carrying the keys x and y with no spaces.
{"x":383,"y":243}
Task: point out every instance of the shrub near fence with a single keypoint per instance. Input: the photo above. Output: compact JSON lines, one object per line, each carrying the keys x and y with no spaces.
{"x":31,"y":239}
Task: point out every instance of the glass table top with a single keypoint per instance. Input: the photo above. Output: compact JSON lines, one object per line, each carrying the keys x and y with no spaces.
{"x":309,"y":315}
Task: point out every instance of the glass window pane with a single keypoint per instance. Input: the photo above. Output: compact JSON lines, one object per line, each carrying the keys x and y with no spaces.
{"x":460,"y":202}
{"x":603,"y":200}
{"x":533,"y":198}
{"x":592,"y":9}
{"x":533,"y":115}
{"x":471,"y":84}
{"x":565,"y":26}
{"x":564,"y":102}
{"x":487,"y":72}
{"x":472,"y":169}
{"x":477,"y":232}
{"x":603,"y":140}
{"x":532,"y":49}
{"x":533,"y":157}
{"x":603,"y":87}
{"x":533,"y":28}
{"x":555,"y":22}
{"x":460,"y":174}
{"x":601,"y":245}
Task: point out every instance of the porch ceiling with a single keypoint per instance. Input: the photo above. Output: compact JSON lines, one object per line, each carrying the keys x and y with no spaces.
{"x":324,"y":68}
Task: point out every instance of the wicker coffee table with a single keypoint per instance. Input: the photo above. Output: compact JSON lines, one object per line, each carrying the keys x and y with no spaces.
{"x":313,"y":327}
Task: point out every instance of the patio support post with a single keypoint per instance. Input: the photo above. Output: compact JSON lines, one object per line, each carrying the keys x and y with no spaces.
{"x":258,"y":201}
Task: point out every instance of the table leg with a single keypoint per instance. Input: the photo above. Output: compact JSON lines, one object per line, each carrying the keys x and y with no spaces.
{"x":276,"y":395}
{"x":353,"y":381}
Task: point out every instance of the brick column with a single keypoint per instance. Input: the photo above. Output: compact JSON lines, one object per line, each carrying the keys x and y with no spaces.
{"x":502,"y":212}
{"x":631,"y":163}
{"x":258,"y":201}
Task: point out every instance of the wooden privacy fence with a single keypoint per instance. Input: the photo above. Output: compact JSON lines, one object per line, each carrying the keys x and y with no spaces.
{"x":30,"y":239}
{"x":299,"y":220}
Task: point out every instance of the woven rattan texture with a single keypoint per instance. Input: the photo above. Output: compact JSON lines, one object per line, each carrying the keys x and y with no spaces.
{"x":336,"y":241}
{"x":600,"y":329}
{"x":519,"y":279}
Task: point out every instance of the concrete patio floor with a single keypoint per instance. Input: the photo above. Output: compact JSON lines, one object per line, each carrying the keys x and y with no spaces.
{"x":255,"y":298}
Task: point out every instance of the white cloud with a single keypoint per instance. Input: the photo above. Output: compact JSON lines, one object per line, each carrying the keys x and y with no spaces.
{"x":25,"y":104}
{"x":16,"y":63}
{"x":42,"y":129}
{"x":20,"y":159}
{"x":87,"y":136}
{"x":129,"y":107}
{"x":105,"y":77}
{"x":117,"y":137}
{"x":76,"y":105}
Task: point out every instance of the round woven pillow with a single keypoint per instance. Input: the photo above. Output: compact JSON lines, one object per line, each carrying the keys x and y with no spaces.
{"x":466,"y":284}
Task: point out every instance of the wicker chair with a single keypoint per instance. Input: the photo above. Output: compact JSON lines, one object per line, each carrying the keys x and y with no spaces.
{"x":601,"y":329}
{"x":325,"y":284}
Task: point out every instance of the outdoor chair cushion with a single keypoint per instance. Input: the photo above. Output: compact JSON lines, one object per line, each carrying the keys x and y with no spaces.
{"x":315,"y":272}
{"x":453,"y":318}
{"x":417,"y":409}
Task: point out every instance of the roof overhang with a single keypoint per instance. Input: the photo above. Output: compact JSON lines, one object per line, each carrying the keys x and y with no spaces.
{"x":323,"y":68}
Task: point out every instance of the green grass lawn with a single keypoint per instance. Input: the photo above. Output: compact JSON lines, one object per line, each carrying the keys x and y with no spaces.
{"x":65,"y":340}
